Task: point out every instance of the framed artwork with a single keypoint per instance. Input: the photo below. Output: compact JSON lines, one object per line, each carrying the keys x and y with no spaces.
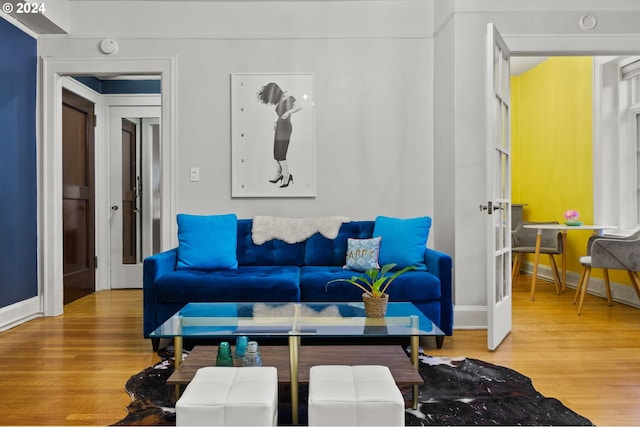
{"x":272,"y":135}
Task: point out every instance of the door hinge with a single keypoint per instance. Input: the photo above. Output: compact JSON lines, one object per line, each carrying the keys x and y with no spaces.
{"x":95,"y":263}
{"x":95,"y":120}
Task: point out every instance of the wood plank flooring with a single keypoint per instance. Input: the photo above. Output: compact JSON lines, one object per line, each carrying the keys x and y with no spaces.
{"x":71,"y":369}
{"x":591,"y":363}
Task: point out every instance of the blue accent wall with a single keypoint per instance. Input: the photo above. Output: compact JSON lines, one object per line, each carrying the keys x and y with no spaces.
{"x":120,"y":87}
{"x":18,"y":180}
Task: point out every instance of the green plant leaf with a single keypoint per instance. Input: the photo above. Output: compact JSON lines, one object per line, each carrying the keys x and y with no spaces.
{"x":374,"y":282}
{"x":397,"y":274}
{"x":386,"y":268}
{"x":355,"y":282}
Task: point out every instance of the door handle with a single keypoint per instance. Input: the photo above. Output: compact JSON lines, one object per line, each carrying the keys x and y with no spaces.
{"x":490,"y":208}
{"x":114,"y":208}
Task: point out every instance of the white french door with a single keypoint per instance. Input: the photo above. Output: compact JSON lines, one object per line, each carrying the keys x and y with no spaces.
{"x":126,"y":271}
{"x":498,"y":206}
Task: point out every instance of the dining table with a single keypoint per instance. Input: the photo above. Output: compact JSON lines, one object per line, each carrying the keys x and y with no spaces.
{"x":563,"y":228}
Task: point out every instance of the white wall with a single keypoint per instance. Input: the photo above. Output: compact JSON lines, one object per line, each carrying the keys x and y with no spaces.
{"x":444,"y":127}
{"x":373,"y":78}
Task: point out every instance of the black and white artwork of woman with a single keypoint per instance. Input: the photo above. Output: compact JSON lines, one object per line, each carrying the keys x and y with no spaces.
{"x":286,"y":105}
{"x":272,"y":135}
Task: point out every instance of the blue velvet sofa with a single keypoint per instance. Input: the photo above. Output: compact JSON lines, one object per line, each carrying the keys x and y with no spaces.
{"x":282,"y":272}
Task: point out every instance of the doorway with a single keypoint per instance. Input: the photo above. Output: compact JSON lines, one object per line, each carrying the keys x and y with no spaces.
{"x":78,"y":193}
{"x":553,"y":145}
{"x":54,"y":72}
{"x":577,"y":127}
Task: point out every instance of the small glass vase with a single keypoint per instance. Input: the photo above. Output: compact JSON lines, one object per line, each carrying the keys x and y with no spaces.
{"x":241,"y":346}
{"x":252,"y":355}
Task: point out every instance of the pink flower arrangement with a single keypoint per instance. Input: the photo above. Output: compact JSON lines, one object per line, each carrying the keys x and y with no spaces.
{"x":571,"y":215}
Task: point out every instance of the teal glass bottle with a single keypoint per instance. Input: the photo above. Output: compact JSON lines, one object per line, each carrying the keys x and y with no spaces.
{"x":241,"y":346}
{"x":224,"y":355}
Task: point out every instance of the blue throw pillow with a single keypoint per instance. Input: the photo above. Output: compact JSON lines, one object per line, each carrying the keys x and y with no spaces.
{"x":404,"y":241}
{"x":207,"y":242}
{"x":362,"y":254}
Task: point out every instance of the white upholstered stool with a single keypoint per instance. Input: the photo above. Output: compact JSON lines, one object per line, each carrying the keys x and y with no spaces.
{"x":227,"y":396}
{"x":364,"y":395}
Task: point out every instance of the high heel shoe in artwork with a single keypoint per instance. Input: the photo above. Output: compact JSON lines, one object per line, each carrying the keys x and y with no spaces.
{"x":275,"y":180}
{"x":286,"y":184}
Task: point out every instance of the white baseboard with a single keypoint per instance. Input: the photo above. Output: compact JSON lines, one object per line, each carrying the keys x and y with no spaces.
{"x":621,"y":293}
{"x":469,"y":317}
{"x":20,"y":312}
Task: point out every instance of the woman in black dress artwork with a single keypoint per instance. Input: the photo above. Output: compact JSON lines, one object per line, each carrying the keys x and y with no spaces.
{"x":286,"y":105}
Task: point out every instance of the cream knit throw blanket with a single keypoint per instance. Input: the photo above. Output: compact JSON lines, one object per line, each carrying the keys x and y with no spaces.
{"x":294,"y":230}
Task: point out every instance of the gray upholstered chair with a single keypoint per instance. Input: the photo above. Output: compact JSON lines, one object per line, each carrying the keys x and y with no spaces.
{"x":523,"y":241}
{"x":610,"y":253}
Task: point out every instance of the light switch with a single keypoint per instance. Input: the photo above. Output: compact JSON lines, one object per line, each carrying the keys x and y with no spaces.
{"x":195,"y":174}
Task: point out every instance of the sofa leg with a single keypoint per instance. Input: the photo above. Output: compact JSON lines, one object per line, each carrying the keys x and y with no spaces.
{"x":439,"y":341}
{"x":155,"y":344}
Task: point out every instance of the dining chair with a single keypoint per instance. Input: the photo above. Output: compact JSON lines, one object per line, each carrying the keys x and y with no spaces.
{"x":610,"y":253}
{"x":523,"y":241}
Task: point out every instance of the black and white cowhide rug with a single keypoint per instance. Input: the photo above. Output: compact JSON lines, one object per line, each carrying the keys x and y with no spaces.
{"x":457,"y":391}
{"x":462,"y":391}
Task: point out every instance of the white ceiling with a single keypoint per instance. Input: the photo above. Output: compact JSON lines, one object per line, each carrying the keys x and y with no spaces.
{"x":520,"y":64}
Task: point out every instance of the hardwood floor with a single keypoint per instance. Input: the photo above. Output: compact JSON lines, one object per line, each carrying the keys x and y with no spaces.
{"x":591,"y":363}
{"x":71,"y":370}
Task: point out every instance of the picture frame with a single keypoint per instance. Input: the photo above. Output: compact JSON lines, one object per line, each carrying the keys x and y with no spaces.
{"x":272,"y":135}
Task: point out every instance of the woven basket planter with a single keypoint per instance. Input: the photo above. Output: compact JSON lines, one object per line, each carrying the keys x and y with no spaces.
{"x":375,"y":307}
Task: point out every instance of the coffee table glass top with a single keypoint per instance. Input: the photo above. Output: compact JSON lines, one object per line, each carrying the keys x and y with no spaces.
{"x":211,"y":320}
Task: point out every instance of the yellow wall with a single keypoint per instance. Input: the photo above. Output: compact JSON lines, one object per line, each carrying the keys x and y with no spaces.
{"x":552,"y":149}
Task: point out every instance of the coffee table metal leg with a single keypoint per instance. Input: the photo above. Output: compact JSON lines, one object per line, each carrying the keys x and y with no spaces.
{"x":177,"y":350}
{"x":177,"y":357}
{"x":294,"y":343}
{"x":415,"y":349}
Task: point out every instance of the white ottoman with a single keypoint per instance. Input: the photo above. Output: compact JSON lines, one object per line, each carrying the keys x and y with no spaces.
{"x":363,"y":395}
{"x":227,"y":396}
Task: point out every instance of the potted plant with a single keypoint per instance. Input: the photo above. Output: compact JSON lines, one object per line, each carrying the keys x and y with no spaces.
{"x":374,"y":282}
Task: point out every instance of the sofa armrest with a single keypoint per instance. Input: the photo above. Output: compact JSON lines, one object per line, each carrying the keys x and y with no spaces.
{"x":160,"y":264}
{"x":154,"y":267}
{"x":441,"y":265}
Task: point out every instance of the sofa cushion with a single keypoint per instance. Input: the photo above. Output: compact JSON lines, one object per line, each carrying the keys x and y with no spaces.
{"x":246,"y":283}
{"x":271,"y":253}
{"x":412,"y":286}
{"x":404,"y":240}
{"x":207,"y":241}
{"x":322,"y":251}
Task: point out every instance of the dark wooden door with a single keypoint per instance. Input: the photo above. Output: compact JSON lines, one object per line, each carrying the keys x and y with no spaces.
{"x":129,"y":193}
{"x":78,"y":218}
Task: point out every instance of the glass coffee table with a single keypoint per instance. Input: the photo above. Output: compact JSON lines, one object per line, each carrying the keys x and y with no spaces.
{"x":294,"y":321}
